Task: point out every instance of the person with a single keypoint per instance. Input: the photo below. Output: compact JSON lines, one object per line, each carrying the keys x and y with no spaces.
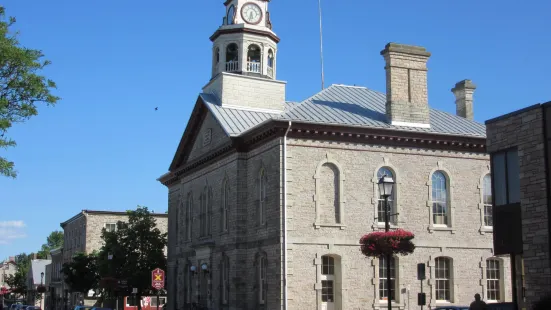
{"x":478,"y":304}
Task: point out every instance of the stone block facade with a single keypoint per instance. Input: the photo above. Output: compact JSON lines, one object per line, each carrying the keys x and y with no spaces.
{"x":247,"y":92}
{"x":524,"y":131}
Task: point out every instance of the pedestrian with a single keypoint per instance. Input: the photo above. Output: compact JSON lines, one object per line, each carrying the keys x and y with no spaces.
{"x":478,"y":304}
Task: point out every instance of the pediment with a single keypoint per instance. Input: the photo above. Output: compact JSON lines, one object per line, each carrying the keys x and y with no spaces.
{"x":202,"y":135}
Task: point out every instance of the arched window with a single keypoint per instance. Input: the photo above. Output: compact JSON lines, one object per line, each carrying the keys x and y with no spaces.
{"x":493,"y":279}
{"x":383,"y":281}
{"x":253,"y":58}
{"x":217,"y":55}
{"x":262,"y":180}
{"x":232,"y":57}
{"x":381,"y":208}
{"x":225,"y":279}
{"x":440,"y":208}
{"x":487,"y":200}
{"x":188,"y":281}
{"x":262,"y":273}
{"x":329,"y":194}
{"x":270,"y":63}
{"x":442,"y":273}
{"x":231,"y":15}
{"x":205,"y":212}
{"x":225,"y":205}
{"x":189,"y":213}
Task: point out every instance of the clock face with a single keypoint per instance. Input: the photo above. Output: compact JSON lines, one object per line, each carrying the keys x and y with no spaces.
{"x":251,"y":13}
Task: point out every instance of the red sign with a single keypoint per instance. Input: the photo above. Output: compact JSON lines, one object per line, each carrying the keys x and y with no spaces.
{"x":158,"y":278}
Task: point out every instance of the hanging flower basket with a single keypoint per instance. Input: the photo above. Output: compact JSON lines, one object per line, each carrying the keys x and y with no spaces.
{"x":396,"y":242}
{"x":41,"y":289}
{"x":108,"y":283}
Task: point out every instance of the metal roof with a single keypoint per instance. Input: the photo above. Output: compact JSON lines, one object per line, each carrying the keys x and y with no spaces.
{"x":339,"y":105}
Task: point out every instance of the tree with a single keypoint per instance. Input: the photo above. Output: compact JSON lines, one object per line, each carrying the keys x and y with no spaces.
{"x":21,"y":86}
{"x":135,"y":249}
{"x":81,"y":273}
{"x":18,"y":281}
{"x":54,"y":241}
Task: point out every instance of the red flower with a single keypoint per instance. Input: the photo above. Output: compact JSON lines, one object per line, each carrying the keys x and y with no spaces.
{"x":378,"y":243}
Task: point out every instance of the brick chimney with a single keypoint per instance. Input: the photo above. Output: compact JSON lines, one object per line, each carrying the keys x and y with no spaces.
{"x":406,"y":85}
{"x":463,"y":92}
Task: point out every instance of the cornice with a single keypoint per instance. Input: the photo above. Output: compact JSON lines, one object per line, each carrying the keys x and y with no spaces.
{"x":325,"y":132}
{"x":220,"y":32}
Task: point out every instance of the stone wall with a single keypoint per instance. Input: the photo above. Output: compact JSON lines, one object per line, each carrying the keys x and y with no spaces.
{"x":74,"y":236}
{"x":466,"y":243}
{"x":210,"y":136}
{"x":524,"y":130}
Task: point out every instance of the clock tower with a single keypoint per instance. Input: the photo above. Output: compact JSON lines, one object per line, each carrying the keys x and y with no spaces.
{"x":244,"y":55}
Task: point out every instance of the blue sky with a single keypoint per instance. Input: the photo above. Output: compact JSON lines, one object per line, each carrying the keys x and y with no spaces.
{"x":103,"y":146}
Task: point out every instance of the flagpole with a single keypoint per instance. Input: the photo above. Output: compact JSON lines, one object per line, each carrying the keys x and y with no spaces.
{"x":321,"y":49}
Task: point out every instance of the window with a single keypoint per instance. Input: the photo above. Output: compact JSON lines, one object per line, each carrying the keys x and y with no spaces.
{"x":506,"y":180}
{"x":232,"y":57}
{"x":262,"y":271}
{"x":440,"y":210}
{"x":110,"y":227}
{"x":383,"y":281}
{"x":487,"y":200}
{"x":262,"y":180}
{"x":270,"y":59}
{"x":443,"y":278}
{"x":189,"y":210}
{"x":225,"y":278}
{"x":328,"y":279}
{"x":381,"y":209}
{"x":225,"y":205}
{"x":189,"y":283}
{"x":493,"y":277}
{"x":231,"y":15}
{"x":253,"y":58}
{"x":203,"y":214}
{"x":217,"y":55}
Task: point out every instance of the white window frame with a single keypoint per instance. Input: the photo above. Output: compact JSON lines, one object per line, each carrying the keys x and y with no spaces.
{"x":328,"y":276}
{"x":498,"y":280}
{"x":106,"y":224}
{"x":483,"y":205}
{"x":449,"y":200}
{"x":382,"y":278}
{"x":439,"y":280}
{"x":487,"y":199}
{"x":391,"y":200}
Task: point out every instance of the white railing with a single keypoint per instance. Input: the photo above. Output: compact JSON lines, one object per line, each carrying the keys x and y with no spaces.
{"x":270,"y":72}
{"x":253,"y":67}
{"x":232,"y":66}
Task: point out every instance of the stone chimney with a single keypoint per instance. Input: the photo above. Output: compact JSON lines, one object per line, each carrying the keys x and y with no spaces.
{"x":463,"y":92}
{"x":406,"y":85}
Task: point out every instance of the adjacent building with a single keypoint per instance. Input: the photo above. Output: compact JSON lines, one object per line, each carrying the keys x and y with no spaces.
{"x":519,"y":147}
{"x":54,"y":281}
{"x":35,"y":279}
{"x":82,"y":234}
{"x":7,"y":269}
{"x":268,"y":198}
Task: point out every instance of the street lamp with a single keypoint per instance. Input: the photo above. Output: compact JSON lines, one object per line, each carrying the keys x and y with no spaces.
{"x":386,"y":185}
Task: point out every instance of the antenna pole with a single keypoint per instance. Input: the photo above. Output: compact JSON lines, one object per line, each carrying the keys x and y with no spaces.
{"x":321,"y":49}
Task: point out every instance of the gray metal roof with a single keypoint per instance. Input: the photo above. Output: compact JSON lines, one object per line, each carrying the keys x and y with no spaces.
{"x":340,"y":105}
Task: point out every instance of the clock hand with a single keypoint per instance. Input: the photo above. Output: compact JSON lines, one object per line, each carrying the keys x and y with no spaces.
{"x":251,"y":16}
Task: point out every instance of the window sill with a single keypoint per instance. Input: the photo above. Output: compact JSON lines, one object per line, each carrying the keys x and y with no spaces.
{"x":442,"y":228}
{"x":486,"y":229}
{"x":382,"y":226}
{"x":319,"y":225}
{"x":443,"y":302}
{"x":225,"y":232}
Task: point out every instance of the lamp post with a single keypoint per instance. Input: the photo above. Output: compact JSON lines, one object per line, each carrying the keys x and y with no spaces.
{"x":386,"y":185}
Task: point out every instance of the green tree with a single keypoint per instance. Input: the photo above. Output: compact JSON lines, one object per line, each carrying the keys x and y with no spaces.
{"x":54,"y":241}
{"x":132,"y":251}
{"x":21,"y":85}
{"x":18,"y":281}
{"x":81,"y":273}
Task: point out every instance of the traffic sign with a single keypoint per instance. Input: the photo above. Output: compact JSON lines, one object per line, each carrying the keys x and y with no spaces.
{"x":158,"y":278}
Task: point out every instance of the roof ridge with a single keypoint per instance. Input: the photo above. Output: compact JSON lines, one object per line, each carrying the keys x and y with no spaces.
{"x":351,"y":86}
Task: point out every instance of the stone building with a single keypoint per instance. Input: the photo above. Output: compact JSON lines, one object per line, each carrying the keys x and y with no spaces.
{"x":268,"y":199}
{"x":519,"y":147}
{"x":82,"y":233}
{"x":35,"y":278}
{"x":7,"y":269}
{"x":54,"y":281}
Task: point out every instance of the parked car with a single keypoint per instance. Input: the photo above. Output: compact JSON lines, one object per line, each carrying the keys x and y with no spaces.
{"x":501,"y":306}
{"x":82,"y":308}
{"x":452,"y":308}
{"x":96,"y":308}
